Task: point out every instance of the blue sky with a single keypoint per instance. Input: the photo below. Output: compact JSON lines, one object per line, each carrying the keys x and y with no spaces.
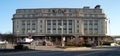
{"x":8,"y":8}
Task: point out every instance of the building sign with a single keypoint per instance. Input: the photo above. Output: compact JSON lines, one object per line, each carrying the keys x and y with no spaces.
{"x":58,"y":11}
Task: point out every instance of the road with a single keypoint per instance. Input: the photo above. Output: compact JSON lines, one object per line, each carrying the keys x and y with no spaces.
{"x":109,"y":51}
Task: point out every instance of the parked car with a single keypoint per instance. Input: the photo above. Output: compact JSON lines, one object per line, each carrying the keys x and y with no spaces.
{"x":3,"y":42}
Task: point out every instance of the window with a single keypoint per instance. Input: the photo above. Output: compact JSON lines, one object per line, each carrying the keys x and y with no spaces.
{"x":49,"y":26}
{"x":90,"y":22}
{"x":23,"y":31}
{"x":48,"y":31}
{"x":70,"y":31}
{"x":54,"y":21}
{"x":77,"y":26}
{"x":95,"y":26}
{"x":40,"y":26}
{"x":90,"y":26}
{"x":33,"y":28}
{"x":96,"y":15}
{"x":72,"y":10}
{"x":23,"y":26}
{"x":95,"y":22}
{"x":17,"y":26}
{"x":34,"y":22}
{"x":77,"y":21}
{"x":85,"y":21}
{"x":64,"y":21}
{"x":48,"y":21}
{"x":95,"y":32}
{"x":40,"y":30}
{"x":64,"y":26}
{"x":40,"y":21}
{"x":59,"y":22}
{"x":70,"y":26}
{"x":77,"y":31}
{"x":64,"y":31}
{"x":85,"y":26}
{"x":54,"y":31}
{"x":23,"y":22}
{"x":18,"y":16}
{"x":28,"y":22}
{"x":28,"y":26}
{"x":49,"y":10}
{"x":101,"y":15}
{"x":54,"y":26}
{"x":59,"y":31}
{"x":96,"y":29}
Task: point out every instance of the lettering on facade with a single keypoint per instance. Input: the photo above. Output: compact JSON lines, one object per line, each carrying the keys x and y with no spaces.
{"x":58,"y":11}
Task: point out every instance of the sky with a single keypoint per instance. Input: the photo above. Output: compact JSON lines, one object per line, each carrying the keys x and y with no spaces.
{"x":110,"y":7}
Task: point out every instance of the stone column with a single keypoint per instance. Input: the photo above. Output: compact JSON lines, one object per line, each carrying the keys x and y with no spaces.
{"x":76,"y":39}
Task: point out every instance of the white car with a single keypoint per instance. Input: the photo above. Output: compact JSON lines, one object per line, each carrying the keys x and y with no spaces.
{"x":3,"y":42}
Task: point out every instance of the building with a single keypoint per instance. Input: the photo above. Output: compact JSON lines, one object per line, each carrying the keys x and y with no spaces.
{"x":53,"y":23}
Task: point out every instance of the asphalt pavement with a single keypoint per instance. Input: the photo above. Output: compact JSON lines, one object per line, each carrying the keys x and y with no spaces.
{"x":53,"y":51}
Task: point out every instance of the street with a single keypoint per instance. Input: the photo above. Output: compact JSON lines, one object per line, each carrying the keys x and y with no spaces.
{"x":109,"y":51}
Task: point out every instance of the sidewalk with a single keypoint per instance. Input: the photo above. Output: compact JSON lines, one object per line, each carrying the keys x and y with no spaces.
{"x":51,"y":48}
{"x":54,"y":48}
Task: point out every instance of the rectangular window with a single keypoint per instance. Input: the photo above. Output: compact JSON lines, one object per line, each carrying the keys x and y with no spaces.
{"x":28,"y":22}
{"x":28,"y":26}
{"x":33,"y":22}
{"x":41,"y":31}
{"x":59,"y":31}
{"x":78,"y":31}
{"x":90,"y":26}
{"x":70,"y":31}
{"x":54,"y":31}
{"x":77,"y":26}
{"x":23,"y":31}
{"x":48,"y":31}
{"x":54,"y":21}
{"x":90,"y":22}
{"x":59,"y":21}
{"x":77,"y":21}
{"x":33,"y":28}
{"x":70,"y":21}
{"x":85,"y":26}
{"x":54,"y":26}
{"x":49,"y":26}
{"x":64,"y":31}
{"x":48,"y":21}
{"x":64,"y":26}
{"x":70,"y":26}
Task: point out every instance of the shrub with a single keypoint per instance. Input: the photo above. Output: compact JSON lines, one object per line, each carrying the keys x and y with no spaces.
{"x":70,"y":44}
{"x":86,"y":45}
{"x":25,"y":47}
{"x":18,"y":47}
{"x":21,"y":47}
